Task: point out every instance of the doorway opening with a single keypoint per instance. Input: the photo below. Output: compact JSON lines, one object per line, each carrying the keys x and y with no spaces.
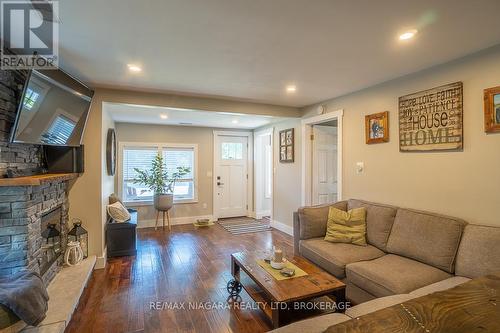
{"x":322,"y":159}
{"x":264,"y":167}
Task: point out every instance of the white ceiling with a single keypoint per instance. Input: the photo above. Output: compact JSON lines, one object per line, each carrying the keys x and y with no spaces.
{"x":128,"y":113}
{"x":253,"y":48}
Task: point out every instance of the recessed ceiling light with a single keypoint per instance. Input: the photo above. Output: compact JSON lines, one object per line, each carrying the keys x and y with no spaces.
{"x":291,"y":89}
{"x":134,"y":68}
{"x":163,"y":116}
{"x":408,"y":34}
{"x":235,"y":121}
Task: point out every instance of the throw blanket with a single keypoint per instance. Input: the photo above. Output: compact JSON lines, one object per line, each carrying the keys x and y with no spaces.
{"x":25,"y":294}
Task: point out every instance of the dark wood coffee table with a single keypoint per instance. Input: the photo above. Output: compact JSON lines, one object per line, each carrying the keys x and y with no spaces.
{"x":279,"y":298}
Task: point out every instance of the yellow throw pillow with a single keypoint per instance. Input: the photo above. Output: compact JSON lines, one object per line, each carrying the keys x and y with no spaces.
{"x":346,"y":227}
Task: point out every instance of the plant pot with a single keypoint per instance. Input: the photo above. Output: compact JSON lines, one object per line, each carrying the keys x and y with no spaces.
{"x":163,"y":202}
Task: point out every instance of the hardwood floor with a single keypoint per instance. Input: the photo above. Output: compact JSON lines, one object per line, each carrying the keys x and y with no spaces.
{"x":184,"y":265}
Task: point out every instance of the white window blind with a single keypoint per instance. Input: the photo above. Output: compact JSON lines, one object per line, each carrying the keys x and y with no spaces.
{"x":141,"y":158}
{"x":181,"y":157}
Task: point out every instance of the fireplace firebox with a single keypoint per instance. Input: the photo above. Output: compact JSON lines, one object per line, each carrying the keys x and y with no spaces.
{"x":51,"y":235}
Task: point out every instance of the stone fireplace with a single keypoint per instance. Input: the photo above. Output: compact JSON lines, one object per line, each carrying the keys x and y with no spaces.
{"x":25,"y":212}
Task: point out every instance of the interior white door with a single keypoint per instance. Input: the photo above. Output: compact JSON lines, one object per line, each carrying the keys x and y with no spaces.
{"x":324,"y":164}
{"x":230,"y":176}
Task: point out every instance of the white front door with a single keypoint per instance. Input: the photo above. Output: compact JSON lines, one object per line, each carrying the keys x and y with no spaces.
{"x":230,"y":176}
{"x":324,"y":165}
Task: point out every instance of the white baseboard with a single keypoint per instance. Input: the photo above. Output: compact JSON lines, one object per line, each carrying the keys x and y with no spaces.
{"x":100,"y":262}
{"x":173,"y":221}
{"x":282,"y":227}
{"x":260,"y":215}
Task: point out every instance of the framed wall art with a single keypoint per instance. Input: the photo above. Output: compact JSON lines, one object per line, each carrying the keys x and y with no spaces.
{"x":377,"y":127}
{"x":287,"y":149}
{"x":492,"y":110}
{"x":432,"y":120}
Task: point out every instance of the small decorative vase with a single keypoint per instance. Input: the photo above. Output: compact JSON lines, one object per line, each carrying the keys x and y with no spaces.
{"x":74,"y":254}
{"x":164,"y":201}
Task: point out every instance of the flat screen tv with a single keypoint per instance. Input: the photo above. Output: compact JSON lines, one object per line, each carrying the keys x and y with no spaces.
{"x":53,"y":110}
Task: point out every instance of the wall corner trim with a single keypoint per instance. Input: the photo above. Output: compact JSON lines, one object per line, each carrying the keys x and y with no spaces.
{"x":287,"y":229}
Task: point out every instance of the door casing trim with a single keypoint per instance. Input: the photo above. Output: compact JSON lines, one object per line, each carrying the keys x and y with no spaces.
{"x":249,"y":136}
{"x":265,"y":132}
{"x":307,"y":123}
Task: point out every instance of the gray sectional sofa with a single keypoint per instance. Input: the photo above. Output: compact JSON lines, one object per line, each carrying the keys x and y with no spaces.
{"x":410,"y":254}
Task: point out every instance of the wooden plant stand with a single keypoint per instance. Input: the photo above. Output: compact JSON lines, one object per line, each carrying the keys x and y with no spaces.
{"x":164,"y":212}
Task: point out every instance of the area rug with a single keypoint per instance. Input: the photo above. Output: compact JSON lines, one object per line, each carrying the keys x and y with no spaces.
{"x":238,"y":226}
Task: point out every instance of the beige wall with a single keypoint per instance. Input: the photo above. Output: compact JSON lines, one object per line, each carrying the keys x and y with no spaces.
{"x":287,"y":176}
{"x":108,"y":182}
{"x":85,"y":193}
{"x":463,"y":184}
{"x":202,"y":136}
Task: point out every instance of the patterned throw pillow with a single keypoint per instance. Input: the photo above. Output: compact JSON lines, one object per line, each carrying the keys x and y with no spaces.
{"x":118,"y":212}
{"x":114,"y":198}
{"x":346,"y":227}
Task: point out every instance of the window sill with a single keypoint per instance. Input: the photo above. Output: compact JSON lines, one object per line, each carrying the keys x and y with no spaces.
{"x":150,"y":202}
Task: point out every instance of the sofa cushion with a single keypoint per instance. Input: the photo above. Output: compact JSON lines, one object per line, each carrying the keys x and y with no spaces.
{"x":333,"y":257}
{"x":313,"y":325}
{"x":392,"y":274}
{"x":312,"y":220}
{"x":377,"y":304}
{"x":430,"y":238}
{"x":440,"y":286}
{"x":346,"y":227}
{"x":379,"y":220}
{"x":356,"y":295}
{"x":479,"y":251}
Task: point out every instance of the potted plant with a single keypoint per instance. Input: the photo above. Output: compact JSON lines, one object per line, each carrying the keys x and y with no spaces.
{"x":158,"y":180}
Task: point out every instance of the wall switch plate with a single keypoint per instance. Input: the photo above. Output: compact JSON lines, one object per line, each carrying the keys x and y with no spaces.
{"x":360,"y":167}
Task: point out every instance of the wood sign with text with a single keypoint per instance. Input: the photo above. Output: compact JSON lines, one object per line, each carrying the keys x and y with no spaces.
{"x":432,"y":119}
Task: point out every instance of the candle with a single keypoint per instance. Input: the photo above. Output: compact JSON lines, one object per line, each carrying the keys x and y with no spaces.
{"x":278,"y":255}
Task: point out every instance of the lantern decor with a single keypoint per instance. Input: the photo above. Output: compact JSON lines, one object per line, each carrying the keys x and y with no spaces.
{"x":53,"y":242}
{"x":79,"y":234}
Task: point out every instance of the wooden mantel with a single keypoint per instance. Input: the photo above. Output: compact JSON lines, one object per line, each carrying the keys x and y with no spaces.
{"x":37,"y":180}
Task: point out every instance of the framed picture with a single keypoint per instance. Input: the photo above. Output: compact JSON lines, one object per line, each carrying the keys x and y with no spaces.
{"x":492,"y":110}
{"x":432,"y":119}
{"x":377,"y":127}
{"x":287,"y":146}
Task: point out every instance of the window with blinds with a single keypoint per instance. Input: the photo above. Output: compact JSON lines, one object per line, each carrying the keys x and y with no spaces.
{"x":173,"y":157}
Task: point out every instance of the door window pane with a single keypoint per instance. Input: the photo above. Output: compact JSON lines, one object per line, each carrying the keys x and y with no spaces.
{"x":232,"y":150}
